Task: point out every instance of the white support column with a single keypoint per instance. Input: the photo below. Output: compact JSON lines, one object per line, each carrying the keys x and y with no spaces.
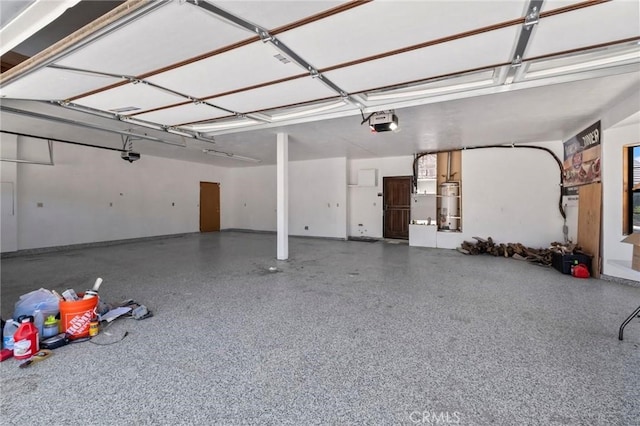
{"x":283,"y":195}
{"x":8,"y":201}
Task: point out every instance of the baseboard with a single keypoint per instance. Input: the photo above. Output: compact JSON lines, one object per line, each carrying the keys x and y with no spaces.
{"x":53,"y":249}
{"x":619,"y":280}
{"x":249,"y":231}
{"x":253,"y":231}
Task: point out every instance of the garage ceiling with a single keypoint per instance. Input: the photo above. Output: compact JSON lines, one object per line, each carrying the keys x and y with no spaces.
{"x":228,"y":75}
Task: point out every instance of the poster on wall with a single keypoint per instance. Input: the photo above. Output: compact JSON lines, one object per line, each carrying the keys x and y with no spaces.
{"x":582,"y":157}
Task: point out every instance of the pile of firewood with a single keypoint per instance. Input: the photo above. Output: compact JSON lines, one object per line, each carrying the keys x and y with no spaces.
{"x":516,"y":250}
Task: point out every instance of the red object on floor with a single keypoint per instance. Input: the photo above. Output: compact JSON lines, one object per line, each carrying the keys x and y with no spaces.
{"x":27,"y":343}
{"x":580,"y":271}
{"x":5,"y":354}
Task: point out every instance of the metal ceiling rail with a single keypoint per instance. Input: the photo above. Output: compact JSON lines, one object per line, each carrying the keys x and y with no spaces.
{"x":256,"y":29}
{"x":266,"y":37}
{"x":532,"y":17}
{"x":135,"y":80}
{"x":119,"y":117}
{"x":287,"y":27}
{"x":61,"y":120}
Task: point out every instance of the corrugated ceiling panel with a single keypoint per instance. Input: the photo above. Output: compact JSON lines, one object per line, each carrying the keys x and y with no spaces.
{"x":54,"y":84}
{"x":172,"y":33}
{"x":140,"y":96}
{"x":379,"y":27}
{"x":585,"y":27}
{"x":182,"y":114}
{"x":300,"y":90}
{"x":235,"y":69}
{"x":460,"y":55}
{"x":271,"y":15}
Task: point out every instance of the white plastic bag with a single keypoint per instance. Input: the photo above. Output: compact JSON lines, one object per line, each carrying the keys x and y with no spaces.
{"x":42,"y":299}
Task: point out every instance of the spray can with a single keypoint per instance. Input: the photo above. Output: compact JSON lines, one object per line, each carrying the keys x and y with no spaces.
{"x":94,"y":290}
{"x":26,"y":339}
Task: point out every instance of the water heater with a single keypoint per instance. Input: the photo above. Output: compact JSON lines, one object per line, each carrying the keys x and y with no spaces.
{"x":448,"y":215}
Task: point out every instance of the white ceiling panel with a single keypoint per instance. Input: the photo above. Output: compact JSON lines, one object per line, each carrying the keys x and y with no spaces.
{"x":238,"y":68}
{"x":54,"y":84}
{"x":169,"y":34}
{"x":549,"y":5}
{"x":271,"y":15}
{"x":300,"y":90}
{"x":379,"y":27}
{"x":460,"y":55}
{"x":586,"y":27}
{"x":182,"y":114}
{"x":139,"y":96}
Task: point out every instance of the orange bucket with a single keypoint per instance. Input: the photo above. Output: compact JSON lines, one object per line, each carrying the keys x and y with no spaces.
{"x":75,"y":316}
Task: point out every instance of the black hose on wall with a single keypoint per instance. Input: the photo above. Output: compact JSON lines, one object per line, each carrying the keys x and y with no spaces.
{"x":555,"y":157}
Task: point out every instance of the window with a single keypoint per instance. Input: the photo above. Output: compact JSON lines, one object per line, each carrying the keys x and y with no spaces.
{"x":635,"y":189}
{"x":631,"y":200}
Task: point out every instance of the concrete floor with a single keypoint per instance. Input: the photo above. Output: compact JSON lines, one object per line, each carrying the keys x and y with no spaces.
{"x":344,"y":333}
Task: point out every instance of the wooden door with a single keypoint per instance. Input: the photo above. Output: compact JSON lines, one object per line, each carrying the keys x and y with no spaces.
{"x":589,"y":217}
{"x":209,"y":207}
{"x":397,"y":206}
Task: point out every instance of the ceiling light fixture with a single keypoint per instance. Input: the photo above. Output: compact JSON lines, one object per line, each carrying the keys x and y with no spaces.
{"x":124,"y":109}
{"x":230,"y":155}
{"x":582,"y":66}
{"x":311,"y":111}
{"x":142,"y":123}
{"x":430,"y":91}
{"x":222,"y":125}
{"x":383,"y":122}
{"x":179,"y":132}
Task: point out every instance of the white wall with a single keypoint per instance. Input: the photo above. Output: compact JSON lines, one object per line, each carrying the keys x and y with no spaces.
{"x":509,"y":194}
{"x":252,"y":198}
{"x":365,"y":206}
{"x":616,"y":256}
{"x":92,"y":195}
{"x":512,"y":195}
{"x":8,"y":218}
{"x":317,"y":198}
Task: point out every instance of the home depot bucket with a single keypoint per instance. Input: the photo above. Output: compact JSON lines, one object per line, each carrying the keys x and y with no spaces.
{"x":75,"y":316}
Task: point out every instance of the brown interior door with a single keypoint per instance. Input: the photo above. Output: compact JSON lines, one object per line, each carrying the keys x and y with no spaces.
{"x":209,"y":207}
{"x":397,"y":206}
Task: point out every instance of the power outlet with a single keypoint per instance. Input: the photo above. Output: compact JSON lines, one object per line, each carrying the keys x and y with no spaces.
{"x":306,"y":227}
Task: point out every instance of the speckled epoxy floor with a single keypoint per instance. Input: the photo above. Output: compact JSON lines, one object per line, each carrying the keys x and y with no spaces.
{"x":343,"y":333}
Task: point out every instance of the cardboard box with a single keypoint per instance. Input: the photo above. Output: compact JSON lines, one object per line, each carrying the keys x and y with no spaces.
{"x":635,"y":258}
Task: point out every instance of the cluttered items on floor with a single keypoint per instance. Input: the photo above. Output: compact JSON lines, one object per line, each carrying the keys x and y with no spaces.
{"x":44,"y":320}
{"x":567,"y":258}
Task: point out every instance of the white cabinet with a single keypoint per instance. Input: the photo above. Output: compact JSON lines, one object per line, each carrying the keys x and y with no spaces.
{"x":422,"y":235}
